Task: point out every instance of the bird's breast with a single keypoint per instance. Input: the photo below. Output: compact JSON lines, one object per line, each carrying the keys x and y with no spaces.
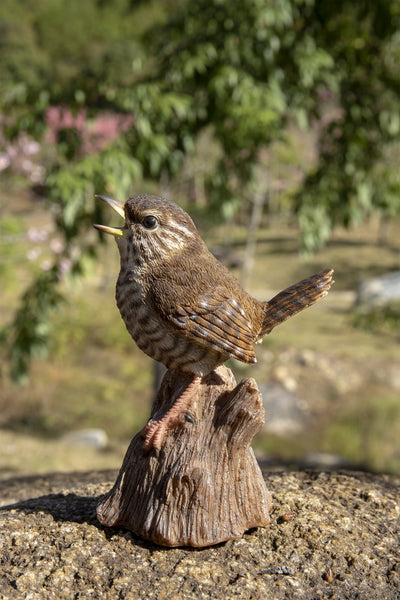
{"x":157,"y":338}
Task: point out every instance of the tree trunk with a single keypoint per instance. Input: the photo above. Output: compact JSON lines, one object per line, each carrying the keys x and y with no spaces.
{"x":204,"y":486}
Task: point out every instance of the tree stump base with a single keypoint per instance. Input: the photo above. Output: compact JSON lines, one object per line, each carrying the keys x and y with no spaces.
{"x":204,"y":485}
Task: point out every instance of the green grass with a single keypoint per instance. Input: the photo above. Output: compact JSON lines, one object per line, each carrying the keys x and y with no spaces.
{"x":367,"y":432}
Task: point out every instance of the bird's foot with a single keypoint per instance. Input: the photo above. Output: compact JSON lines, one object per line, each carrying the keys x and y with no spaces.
{"x":155,"y":430}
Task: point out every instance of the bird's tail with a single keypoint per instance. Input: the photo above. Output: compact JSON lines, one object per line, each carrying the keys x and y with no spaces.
{"x":295,"y":298}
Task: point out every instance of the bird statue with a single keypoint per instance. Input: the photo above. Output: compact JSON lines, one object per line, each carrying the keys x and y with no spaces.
{"x":181,"y":306}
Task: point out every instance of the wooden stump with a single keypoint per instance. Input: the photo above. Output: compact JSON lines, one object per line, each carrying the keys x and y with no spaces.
{"x":204,"y":486}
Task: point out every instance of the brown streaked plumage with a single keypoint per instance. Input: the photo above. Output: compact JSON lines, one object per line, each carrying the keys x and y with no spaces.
{"x":181,"y":305}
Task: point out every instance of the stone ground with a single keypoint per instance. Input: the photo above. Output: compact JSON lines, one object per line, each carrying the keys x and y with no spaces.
{"x":334,"y":535}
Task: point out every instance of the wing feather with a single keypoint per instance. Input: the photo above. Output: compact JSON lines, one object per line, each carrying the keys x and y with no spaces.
{"x":220,"y":322}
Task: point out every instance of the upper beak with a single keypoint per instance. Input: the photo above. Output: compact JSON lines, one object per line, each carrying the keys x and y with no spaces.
{"x":119,"y":208}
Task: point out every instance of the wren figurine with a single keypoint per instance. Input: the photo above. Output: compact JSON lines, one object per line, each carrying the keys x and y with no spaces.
{"x":182,"y":307}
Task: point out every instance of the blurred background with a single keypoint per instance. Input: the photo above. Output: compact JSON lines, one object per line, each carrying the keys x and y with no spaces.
{"x":276,"y":125}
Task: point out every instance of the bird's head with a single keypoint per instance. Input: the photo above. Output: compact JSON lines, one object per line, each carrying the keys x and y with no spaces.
{"x":154,"y":229}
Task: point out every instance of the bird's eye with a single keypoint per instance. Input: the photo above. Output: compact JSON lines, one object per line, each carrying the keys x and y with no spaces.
{"x":150,"y":222}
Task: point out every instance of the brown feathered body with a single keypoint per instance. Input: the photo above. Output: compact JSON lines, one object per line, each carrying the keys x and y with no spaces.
{"x":180,"y":304}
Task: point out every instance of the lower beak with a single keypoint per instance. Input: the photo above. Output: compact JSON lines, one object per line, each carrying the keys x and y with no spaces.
{"x":117,"y":231}
{"x":119,"y":208}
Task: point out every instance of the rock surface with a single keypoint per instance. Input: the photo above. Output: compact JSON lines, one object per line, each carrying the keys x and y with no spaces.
{"x":91,"y":438}
{"x":378,"y":291}
{"x":333,"y":535}
{"x":283,"y":409}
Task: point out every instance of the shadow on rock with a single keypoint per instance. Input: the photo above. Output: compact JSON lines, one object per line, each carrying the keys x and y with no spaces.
{"x":69,"y":507}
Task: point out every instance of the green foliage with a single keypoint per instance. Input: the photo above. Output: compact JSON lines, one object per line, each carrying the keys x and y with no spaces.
{"x":72,"y":189}
{"x":28,"y":336}
{"x":233,"y":60}
{"x":10,"y":229}
{"x":65,"y":43}
{"x":367,"y":433}
{"x":244,"y":69}
{"x":360,"y":132}
{"x":379,"y":318}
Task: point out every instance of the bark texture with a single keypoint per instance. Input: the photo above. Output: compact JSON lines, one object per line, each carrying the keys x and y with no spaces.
{"x":204,"y":486}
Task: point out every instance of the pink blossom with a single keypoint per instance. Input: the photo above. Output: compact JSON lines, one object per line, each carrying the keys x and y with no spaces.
{"x":56,"y":246}
{"x":27,"y":165}
{"x":95,"y":134}
{"x":37,"y":235}
{"x":4,"y":161}
{"x":31,"y":147}
{"x":33,"y":253}
{"x":46,"y":265}
{"x":63,"y":267}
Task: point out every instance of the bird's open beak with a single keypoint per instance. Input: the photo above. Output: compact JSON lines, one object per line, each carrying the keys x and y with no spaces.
{"x":119,"y":208}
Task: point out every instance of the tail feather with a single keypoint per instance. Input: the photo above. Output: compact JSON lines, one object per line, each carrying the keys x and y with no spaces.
{"x":295,"y":298}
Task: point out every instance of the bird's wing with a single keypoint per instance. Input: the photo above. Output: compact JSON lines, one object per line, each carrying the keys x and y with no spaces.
{"x":217,"y":321}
